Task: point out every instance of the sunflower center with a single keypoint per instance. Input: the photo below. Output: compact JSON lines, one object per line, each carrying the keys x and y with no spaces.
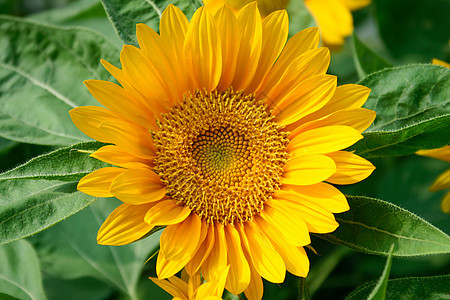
{"x":221,"y":154}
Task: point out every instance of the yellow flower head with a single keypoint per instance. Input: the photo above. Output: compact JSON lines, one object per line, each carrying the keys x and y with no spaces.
{"x":224,"y":133}
{"x":443,"y":181}
{"x":334,"y":18}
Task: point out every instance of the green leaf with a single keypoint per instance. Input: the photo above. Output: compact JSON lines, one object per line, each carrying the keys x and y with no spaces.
{"x":85,"y":288}
{"x":414,"y":30}
{"x":42,"y":191}
{"x":372,"y":226}
{"x":124,"y":15}
{"x":41,"y":73}
{"x":423,"y":288}
{"x":379,"y":291}
{"x":69,"y":163}
{"x":412,"y":105}
{"x":299,"y":17}
{"x":366,"y":61}
{"x":71,"y":245}
{"x":20,"y":274}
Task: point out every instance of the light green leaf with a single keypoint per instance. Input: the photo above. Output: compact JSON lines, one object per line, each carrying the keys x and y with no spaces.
{"x":69,"y":250}
{"x":412,"y":106}
{"x":299,"y":17}
{"x":42,"y":69}
{"x":366,"y":61}
{"x":69,"y":163}
{"x":372,"y":226}
{"x":20,"y":274}
{"x":124,"y":15}
{"x":423,"y":288}
{"x":379,"y":291}
{"x":42,"y":191}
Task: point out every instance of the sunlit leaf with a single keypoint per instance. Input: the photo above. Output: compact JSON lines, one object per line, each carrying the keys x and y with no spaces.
{"x":20,"y":274}
{"x":372,"y":226}
{"x":124,"y":15}
{"x":42,"y":69}
{"x":412,"y":107}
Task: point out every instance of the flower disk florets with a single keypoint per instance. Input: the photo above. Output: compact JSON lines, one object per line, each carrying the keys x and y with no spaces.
{"x":221,"y":154}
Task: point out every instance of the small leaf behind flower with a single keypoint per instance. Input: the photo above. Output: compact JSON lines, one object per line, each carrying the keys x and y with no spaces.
{"x":412,"y":106}
{"x":372,"y":226}
{"x":379,"y":291}
{"x":366,"y":61}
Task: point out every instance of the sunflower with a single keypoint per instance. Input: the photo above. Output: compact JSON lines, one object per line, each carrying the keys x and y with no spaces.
{"x":443,"y":181}
{"x":192,"y":288}
{"x":334,"y":18}
{"x":224,"y":133}
{"x":265,"y":7}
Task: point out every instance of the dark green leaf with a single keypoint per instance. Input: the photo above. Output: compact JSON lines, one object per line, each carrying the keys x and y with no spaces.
{"x":124,"y":15}
{"x":20,"y":274}
{"x":70,"y":163}
{"x":366,"y":60}
{"x":83,"y":288}
{"x":414,"y":30}
{"x":372,"y":226}
{"x":379,"y":291}
{"x":71,"y":245}
{"x":412,"y":106}
{"x":423,"y":288}
{"x":41,"y":73}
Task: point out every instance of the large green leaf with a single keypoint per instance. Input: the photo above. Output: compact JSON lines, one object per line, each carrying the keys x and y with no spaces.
{"x":41,"y":73}
{"x":414,"y":30}
{"x":412,"y":105}
{"x":42,"y":191}
{"x":71,"y":245}
{"x":423,"y":288}
{"x":372,"y":226}
{"x":20,"y":274}
{"x":124,"y":15}
{"x":366,"y":61}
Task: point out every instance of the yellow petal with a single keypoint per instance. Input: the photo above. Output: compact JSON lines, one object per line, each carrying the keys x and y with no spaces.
{"x":121,"y":102}
{"x":249,"y":20}
{"x":134,"y":139}
{"x":295,"y":258}
{"x":287,"y":222}
{"x":323,"y":194}
{"x":228,"y":29}
{"x":345,"y":97}
{"x":306,"y":98}
{"x":98,"y":183}
{"x":443,"y":182}
{"x":445,"y":204}
{"x":203,"y":50}
{"x":202,"y":253}
{"x":358,"y":118}
{"x":301,"y":42}
{"x":217,"y":259}
{"x":265,"y":259}
{"x":355,"y":4}
{"x":307,"y":170}
{"x":89,"y":118}
{"x":255,"y":289}
{"x":439,"y":153}
{"x":317,"y":219}
{"x":138,"y":186}
{"x":178,"y":290}
{"x":167,"y":213}
{"x":122,"y":79}
{"x":350,"y":168}
{"x":334,"y":19}
{"x":275,"y":29}
{"x":239,"y":276}
{"x":124,"y":225}
{"x":114,"y":155}
{"x":213,"y":288}
{"x":180,"y":240}
{"x":311,"y":63}
{"x":323,"y":140}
